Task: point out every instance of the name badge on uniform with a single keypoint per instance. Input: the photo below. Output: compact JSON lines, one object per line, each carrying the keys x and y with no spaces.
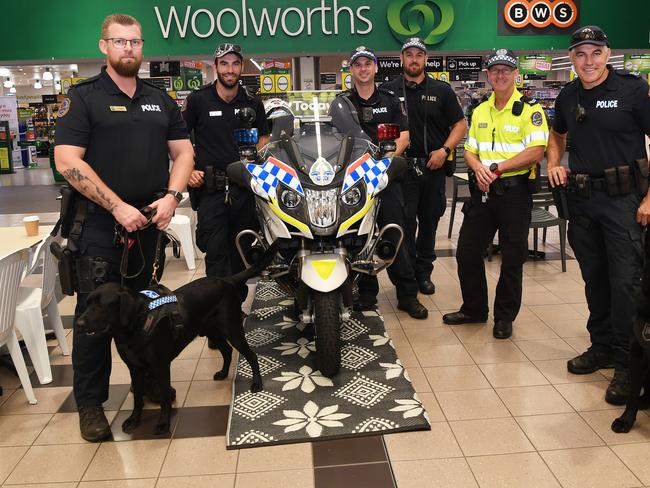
{"x":482,"y":125}
{"x":117,"y":108}
{"x":215,"y":113}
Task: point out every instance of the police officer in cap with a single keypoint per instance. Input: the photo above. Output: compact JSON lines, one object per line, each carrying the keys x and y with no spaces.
{"x":115,"y":134}
{"x":436,"y":126}
{"x":506,"y":140}
{"x":224,"y":210}
{"x":606,"y":113}
{"x":378,"y":106}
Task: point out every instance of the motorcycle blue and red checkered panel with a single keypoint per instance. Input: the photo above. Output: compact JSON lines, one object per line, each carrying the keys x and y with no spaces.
{"x":367,"y":168}
{"x":273,"y":171}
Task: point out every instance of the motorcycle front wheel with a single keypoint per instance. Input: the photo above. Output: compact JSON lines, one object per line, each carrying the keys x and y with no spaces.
{"x":327,"y":324}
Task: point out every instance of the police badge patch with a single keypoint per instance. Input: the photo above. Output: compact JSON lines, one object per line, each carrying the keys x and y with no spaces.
{"x":537,"y":119}
{"x":64,"y":108}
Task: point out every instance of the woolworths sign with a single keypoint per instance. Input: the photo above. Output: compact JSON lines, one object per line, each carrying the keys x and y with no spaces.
{"x":173,"y":28}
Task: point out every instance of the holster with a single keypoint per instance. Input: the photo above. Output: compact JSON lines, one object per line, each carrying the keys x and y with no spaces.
{"x":195,"y":197}
{"x":450,"y":164}
{"x":497,"y":187}
{"x":559,"y":197}
{"x":534,"y":180}
{"x":641,"y":173}
{"x":65,"y":256}
{"x":618,"y":181}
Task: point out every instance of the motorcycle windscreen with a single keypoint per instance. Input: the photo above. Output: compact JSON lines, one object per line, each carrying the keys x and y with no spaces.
{"x":323,"y":272}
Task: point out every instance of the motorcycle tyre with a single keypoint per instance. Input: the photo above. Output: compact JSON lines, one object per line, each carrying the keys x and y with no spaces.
{"x":327,"y":322}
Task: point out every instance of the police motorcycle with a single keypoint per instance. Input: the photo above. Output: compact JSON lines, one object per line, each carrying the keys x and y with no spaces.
{"x":316,"y":189}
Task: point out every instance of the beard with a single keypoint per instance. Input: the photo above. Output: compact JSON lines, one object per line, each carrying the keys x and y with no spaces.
{"x":228,"y":84}
{"x":126,"y":69}
{"x":413,"y":70}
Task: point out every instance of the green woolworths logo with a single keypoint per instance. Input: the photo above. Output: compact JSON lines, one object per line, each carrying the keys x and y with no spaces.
{"x":428,"y":19}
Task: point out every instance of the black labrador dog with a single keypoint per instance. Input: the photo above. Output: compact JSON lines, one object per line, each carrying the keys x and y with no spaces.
{"x":639,"y":355}
{"x":208,"y":306}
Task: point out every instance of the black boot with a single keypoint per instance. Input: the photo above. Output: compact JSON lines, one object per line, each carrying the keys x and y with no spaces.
{"x":618,"y":390}
{"x":414,"y":308}
{"x":93,"y":424}
{"x":589,"y":361}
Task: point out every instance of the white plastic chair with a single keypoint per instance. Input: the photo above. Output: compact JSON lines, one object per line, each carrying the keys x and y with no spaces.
{"x":32,"y":303}
{"x":180,"y":226}
{"x":11,"y":272}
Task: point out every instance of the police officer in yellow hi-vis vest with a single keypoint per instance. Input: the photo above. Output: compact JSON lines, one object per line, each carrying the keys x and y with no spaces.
{"x":505,"y":142}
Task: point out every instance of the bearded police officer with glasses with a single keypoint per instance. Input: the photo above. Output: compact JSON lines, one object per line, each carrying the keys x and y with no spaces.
{"x":212,"y":116}
{"x":436,"y":126}
{"x":606,"y":113}
{"x":506,"y":140}
{"x":115,"y":134}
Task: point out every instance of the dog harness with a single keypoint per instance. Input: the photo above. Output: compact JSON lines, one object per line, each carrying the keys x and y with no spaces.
{"x":163,"y":304}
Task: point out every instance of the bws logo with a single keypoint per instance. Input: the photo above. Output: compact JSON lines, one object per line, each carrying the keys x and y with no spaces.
{"x":429,"y":19}
{"x":540,"y":13}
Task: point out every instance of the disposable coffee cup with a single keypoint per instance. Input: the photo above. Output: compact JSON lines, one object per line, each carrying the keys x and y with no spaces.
{"x":31,"y":225}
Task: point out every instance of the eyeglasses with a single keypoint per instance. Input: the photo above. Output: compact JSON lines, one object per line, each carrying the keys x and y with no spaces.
{"x":588,"y":34}
{"x":501,"y":71}
{"x":120,"y":43}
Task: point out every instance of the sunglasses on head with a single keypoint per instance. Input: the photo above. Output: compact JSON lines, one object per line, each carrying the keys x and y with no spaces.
{"x":589,"y":35}
{"x":227,"y":48}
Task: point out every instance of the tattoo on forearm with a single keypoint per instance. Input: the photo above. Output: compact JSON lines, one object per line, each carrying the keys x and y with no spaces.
{"x":79,"y":180}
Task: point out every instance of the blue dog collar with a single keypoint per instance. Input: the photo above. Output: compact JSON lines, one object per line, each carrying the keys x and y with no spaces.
{"x":150,"y":294}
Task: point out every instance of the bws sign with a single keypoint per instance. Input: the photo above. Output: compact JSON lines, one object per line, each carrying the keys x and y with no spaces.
{"x":537,"y":16}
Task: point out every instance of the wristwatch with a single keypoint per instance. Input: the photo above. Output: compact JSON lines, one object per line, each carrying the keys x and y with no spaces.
{"x":176,"y":194}
{"x":494,"y":167}
{"x":447,"y":150}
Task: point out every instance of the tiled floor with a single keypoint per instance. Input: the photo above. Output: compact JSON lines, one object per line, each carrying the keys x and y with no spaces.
{"x":504,"y":413}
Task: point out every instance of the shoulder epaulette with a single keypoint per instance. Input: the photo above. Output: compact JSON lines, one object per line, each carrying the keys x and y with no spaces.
{"x":87,"y":81}
{"x":387,"y":90}
{"x":344,"y":93}
{"x":148,"y":83}
{"x":529,"y":100}
{"x":625,"y":73}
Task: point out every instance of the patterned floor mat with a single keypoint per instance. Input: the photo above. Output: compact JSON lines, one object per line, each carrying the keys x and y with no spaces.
{"x":371,"y":394}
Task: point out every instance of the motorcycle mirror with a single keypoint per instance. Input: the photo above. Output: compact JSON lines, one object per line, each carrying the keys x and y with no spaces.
{"x":247,"y":116}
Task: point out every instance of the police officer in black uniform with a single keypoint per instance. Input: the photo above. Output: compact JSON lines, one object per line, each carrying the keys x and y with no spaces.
{"x":115,"y":134}
{"x":606,"y":113}
{"x":224,"y":210}
{"x":436,"y":126}
{"x":378,"y":106}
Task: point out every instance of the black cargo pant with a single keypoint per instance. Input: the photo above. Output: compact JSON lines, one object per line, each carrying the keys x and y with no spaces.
{"x":425,"y":203}
{"x":401,"y":272}
{"x":219,"y":221}
{"x":607,"y":242}
{"x":91,"y":355}
{"x":510,"y":215}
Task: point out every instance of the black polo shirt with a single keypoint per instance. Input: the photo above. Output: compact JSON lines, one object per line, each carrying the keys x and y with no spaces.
{"x":213,"y":122}
{"x":383,"y":107}
{"x":612,"y":134}
{"x":433,"y":101}
{"x":125,"y":138}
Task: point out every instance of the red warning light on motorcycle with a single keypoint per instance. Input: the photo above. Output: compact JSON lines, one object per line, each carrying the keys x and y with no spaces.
{"x":540,"y":13}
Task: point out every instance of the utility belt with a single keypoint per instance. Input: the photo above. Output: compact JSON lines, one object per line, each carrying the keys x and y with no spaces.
{"x":500,"y":186}
{"x":617,"y":181}
{"x":215,"y":180}
{"x":419,"y":164}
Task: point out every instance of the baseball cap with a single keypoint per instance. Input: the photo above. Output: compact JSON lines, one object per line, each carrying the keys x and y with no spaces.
{"x":362,"y":51}
{"x":505,"y":57}
{"x":414,"y":42}
{"x":227,"y":48}
{"x":589,"y":34}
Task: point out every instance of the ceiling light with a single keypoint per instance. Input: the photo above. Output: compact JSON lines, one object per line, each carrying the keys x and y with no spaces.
{"x":57,"y":77}
{"x":259,"y":68}
{"x":47,"y":76}
{"x":57,"y":86}
{"x":12,"y":89}
{"x":561,"y":57}
{"x":8,"y":83}
{"x":4,"y":72}
{"x":37,"y":84}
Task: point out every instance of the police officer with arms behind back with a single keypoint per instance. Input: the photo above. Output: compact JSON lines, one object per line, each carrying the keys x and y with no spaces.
{"x":607,"y":113}
{"x":436,"y":126}
{"x":115,"y":134}
{"x":506,"y":139}
{"x":224,"y":210}
{"x":379,"y":106}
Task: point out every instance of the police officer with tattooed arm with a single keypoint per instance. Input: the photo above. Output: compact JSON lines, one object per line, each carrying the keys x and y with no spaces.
{"x":115,"y":134}
{"x":604,"y":194}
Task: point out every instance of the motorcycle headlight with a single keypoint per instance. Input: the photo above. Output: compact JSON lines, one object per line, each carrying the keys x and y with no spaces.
{"x":290,"y":198}
{"x":351,"y":197}
{"x":322,"y":206}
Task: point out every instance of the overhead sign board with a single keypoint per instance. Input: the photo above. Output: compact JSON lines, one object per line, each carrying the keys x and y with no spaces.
{"x":464,"y":63}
